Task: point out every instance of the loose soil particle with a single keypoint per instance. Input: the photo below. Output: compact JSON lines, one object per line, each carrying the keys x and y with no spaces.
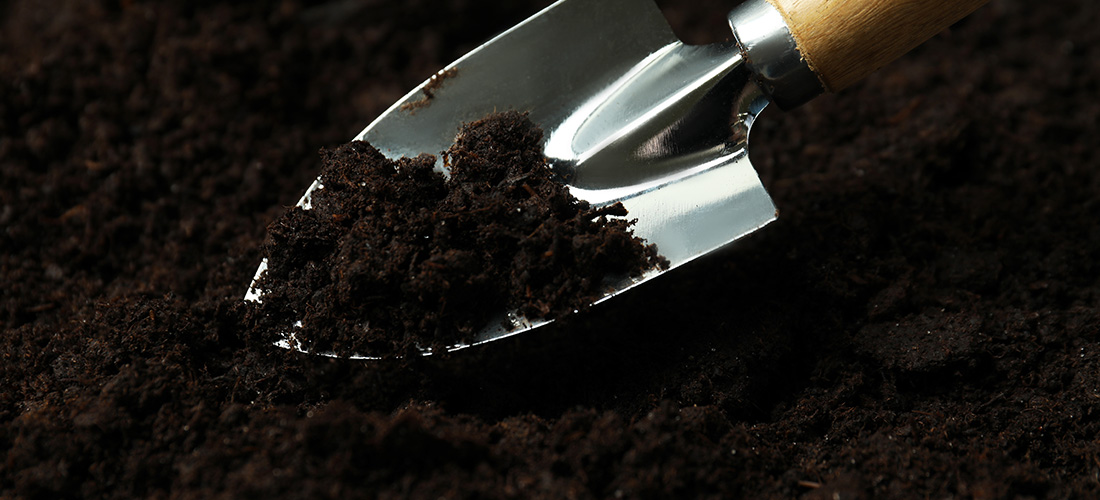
{"x":393,"y":256}
{"x":435,"y":83}
{"x":921,"y":322}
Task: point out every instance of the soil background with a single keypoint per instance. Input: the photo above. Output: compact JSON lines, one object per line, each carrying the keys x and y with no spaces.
{"x":922,"y":321}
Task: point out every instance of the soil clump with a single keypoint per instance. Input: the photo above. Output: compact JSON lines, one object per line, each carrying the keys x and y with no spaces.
{"x":393,"y":256}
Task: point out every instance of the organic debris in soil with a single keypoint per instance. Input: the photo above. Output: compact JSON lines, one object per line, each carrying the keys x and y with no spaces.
{"x":394,"y":255}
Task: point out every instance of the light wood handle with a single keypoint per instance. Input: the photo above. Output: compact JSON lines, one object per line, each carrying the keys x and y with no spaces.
{"x":845,"y":40}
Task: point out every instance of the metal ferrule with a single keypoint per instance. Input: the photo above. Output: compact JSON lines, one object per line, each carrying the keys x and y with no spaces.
{"x":772,"y":55}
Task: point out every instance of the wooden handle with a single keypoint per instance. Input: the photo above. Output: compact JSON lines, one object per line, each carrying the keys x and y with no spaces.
{"x":845,"y":40}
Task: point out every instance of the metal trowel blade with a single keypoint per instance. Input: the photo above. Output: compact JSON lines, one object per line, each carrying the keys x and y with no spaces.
{"x":630,"y":114}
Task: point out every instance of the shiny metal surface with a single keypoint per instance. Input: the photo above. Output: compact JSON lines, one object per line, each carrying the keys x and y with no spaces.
{"x":772,"y":54}
{"x":630,"y":114}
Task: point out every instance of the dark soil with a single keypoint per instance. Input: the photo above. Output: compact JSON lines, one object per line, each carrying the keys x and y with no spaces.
{"x":923,"y":321}
{"x":394,"y":257}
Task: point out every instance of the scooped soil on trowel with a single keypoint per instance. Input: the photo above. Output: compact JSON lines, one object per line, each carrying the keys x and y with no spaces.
{"x":395,"y":255}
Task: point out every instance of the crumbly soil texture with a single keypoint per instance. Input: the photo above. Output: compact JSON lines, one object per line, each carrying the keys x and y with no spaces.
{"x":923,"y":320}
{"x":394,"y":257}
